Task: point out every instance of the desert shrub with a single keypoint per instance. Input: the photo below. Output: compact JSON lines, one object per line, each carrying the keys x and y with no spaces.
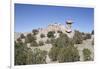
{"x":77,"y":37}
{"x":63,"y":50}
{"x":30,"y":38}
{"x":63,"y":35}
{"x":88,"y":36}
{"x":41,"y":43}
{"x":62,"y":41}
{"x":69,"y":54}
{"x":22,"y":36}
{"x":59,"y":31}
{"x":50,"y":34}
{"x":42,"y":35}
{"x":48,"y":41}
{"x":71,"y":42}
{"x":19,"y":40}
{"x":23,"y":55}
{"x":52,"y":40}
{"x":65,"y":54}
{"x":53,"y":53}
{"x":87,"y":54}
{"x":39,"y":56}
{"x":27,"y":40}
{"x":35,"y":31}
{"x":34,"y":43}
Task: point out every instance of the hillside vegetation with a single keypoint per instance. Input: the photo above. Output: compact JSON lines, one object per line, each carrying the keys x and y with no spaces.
{"x":53,"y":46}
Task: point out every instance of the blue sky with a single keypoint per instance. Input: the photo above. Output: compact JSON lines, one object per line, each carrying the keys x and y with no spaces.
{"x":28,"y":17}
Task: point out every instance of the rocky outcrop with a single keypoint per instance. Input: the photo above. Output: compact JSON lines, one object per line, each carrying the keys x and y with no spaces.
{"x":51,"y":27}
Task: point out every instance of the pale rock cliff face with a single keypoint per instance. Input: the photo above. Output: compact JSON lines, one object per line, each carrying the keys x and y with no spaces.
{"x":52,"y":27}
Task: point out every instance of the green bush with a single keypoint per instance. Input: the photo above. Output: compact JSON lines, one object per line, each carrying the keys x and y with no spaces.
{"x":62,"y":41}
{"x":30,"y":38}
{"x":39,"y":56}
{"x":65,"y":54}
{"x":59,"y":31}
{"x":42,"y":35}
{"x":35,"y":31}
{"x":87,"y":54}
{"x":19,"y":40}
{"x":53,"y":53}
{"x":69,"y":54}
{"x":52,"y":40}
{"x":48,"y":41}
{"x":34,"y":43}
{"x":63,"y":50}
{"x":50,"y":34}
{"x":23,"y":55}
{"x":77,"y":37}
{"x":41,"y":43}
{"x":22,"y":36}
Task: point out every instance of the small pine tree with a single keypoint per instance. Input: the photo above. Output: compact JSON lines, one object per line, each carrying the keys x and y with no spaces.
{"x":39,"y":56}
{"x":22,"y":36}
{"x":30,"y":38}
{"x":41,"y":43}
{"x":62,"y":41}
{"x":23,"y":54}
{"x":35,"y":31}
{"x":53,"y":53}
{"x":34,"y":43}
{"x":19,"y":40}
{"x":59,"y":31}
{"x":87,"y":54}
{"x":50,"y":34}
{"x":69,"y":54}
